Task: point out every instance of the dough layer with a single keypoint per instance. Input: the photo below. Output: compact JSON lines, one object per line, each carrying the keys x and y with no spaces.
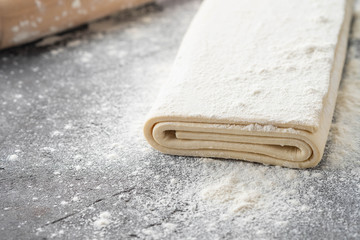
{"x":254,"y":80}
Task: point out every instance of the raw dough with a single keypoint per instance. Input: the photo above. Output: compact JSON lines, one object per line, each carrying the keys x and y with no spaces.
{"x":254,"y":80}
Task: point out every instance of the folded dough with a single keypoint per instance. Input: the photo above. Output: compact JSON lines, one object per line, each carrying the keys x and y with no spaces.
{"x":254,"y":80}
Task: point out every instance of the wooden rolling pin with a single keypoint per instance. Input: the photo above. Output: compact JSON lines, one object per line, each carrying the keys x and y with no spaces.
{"x":23,"y":21}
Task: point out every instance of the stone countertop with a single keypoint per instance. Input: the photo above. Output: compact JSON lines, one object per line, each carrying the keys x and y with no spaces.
{"x":74,"y":163}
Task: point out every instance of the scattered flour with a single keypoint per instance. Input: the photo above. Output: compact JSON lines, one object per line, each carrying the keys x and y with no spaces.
{"x":48,"y":149}
{"x":169,"y":226}
{"x":103,"y":220}
{"x":78,"y":157}
{"x":77,"y":167}
{"x":39,"y":4}
{"x":229,"y":190}
{"x":13,"y":157}
{"x":75,"y":199}
{"x":56,"y":134}
{"x":152,"y":233}
{"x":57,"y":234}
{"x":240,"y":188}
{"x":112,"y":156}
{"x":76,"y":4}
{"x":86,"y":57}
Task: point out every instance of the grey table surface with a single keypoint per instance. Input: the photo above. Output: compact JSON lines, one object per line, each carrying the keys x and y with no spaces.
{"x":72,"y":148}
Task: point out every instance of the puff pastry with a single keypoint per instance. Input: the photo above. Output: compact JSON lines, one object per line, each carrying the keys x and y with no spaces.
{"x":254,"y":80}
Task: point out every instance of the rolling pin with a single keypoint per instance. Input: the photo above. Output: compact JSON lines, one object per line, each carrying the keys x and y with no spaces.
{"x":23,"y":21}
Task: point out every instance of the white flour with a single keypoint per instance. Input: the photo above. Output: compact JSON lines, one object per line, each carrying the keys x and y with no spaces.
{"x":76,"y":4}
{"x":231,"y":191}
{"x":240,"y":188}
{"x":103,"y":220}
{"x":13,"y":157}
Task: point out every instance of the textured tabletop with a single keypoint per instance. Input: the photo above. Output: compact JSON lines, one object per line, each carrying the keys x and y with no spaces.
{"x":74,"y":162}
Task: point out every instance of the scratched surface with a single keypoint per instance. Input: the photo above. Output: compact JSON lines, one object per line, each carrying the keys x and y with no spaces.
{"x":72,"y":147}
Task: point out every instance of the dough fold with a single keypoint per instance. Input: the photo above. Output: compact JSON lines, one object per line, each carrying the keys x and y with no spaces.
{"x":254,"y":80}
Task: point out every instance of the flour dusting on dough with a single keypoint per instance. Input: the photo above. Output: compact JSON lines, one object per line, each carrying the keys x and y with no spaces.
{"x":201,"y":85}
